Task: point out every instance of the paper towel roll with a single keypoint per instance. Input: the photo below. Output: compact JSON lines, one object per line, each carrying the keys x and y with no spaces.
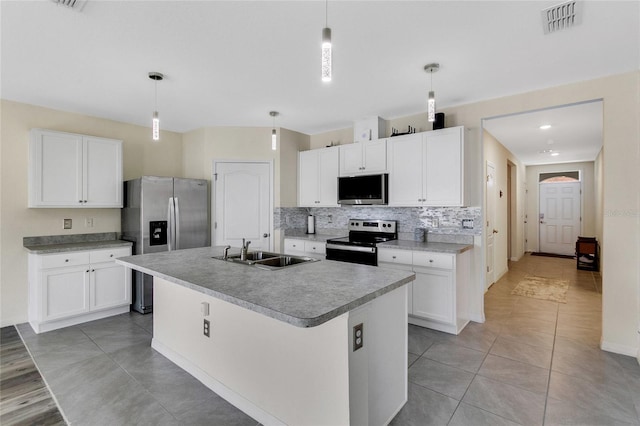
{"x":311,"y":224}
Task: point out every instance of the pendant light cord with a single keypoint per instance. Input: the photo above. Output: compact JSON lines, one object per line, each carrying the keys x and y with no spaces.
{"x":326,"y":13}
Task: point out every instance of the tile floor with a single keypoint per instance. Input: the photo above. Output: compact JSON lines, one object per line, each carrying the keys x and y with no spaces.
{"x":532,"y":362}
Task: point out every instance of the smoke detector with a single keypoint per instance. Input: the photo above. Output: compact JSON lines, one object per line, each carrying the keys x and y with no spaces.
{"x":561,"y":16}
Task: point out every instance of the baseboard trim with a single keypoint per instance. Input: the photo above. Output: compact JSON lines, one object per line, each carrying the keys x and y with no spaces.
{"x":227,"y":394}
{"x":620,"y":349}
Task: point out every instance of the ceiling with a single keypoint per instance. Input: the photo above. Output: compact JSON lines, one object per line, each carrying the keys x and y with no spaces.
{"x":575,"y":133}
{"x":230,"y":63}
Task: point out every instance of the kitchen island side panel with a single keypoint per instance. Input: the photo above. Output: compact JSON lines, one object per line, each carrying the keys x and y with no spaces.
{"x":275,"y":372}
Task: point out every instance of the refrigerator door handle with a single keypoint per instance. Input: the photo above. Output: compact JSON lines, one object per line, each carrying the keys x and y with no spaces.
{"x":176,"y":223}
{"x":171,"y":219}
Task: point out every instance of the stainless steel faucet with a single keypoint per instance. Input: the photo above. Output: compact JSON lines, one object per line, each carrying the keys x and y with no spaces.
{"x":244,"y":250}
{"x":226,"y":252}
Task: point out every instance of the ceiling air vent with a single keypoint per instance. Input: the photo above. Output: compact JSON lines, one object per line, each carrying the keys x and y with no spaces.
{"x":561,"y":16}
{"x":72,"y":4}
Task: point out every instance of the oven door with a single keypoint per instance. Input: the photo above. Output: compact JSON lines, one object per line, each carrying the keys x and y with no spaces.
{"x":352,"y":254}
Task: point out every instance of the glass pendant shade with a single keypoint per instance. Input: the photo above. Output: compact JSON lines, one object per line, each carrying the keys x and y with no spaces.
{"x":326,"y":54}
{"x":156,"y":126}
{"x":431,"y":107}
{"x":273,"y":139}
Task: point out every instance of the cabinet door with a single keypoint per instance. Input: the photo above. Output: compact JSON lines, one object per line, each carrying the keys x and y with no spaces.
{"x":294,"y":247}
{"x":308,"y":174}
{"x":102,"y":172}
{"x":55,"y":169}
{"x":110,"y":285}
{"x":315,"y":248}
{"x":65,"y":292}
{"x":444,"y":167}
{"x":406,"y":170}
{"x":351,"y":159}
{"x":328,"y":164}
{"x":375,"y":156}
{"x":433,"y":295}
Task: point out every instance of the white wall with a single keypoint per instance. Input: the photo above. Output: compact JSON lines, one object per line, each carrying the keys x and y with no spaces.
{"x":588,"y":199}
{"x":141,"y":156}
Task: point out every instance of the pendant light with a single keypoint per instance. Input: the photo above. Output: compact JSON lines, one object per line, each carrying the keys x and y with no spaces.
{"x":431,"y":102}
{"x":155,"y":121}
{"x":274,"y":138}
{"x":326,"y":46}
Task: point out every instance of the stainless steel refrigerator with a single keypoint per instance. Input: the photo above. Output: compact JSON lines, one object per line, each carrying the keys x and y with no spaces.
{"x":163,"y":214}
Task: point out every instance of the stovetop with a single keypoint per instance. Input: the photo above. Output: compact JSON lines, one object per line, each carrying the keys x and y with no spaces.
{"x":368,"y":233}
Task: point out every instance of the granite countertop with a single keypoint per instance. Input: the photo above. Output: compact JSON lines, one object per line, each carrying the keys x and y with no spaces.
{"x":304,"y":295}
{"x":426,"y":246}
{"x":321,"y":238}
{"x":75,"y":242}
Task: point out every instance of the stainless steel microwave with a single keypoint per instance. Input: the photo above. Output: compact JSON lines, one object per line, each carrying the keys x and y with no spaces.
{"x":363,"y":190}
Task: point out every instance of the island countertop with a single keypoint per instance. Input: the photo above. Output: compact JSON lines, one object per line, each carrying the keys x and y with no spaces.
{"x":304,"y":295}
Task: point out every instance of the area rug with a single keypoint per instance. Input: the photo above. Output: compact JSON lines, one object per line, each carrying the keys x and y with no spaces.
{"x":542,"y":288}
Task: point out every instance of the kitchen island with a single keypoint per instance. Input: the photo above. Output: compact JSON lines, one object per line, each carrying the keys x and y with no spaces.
{"x":281,"y":344}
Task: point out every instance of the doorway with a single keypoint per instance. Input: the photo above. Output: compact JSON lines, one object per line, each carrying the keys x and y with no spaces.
{"x":559,"y":215}
{"x":242,"y":203}
{"x":490,"y":231}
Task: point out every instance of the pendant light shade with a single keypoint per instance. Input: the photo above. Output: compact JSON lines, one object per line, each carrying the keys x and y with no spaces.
{"x":431,"y":100}
{"x":155,"y":121}
{"x":326,"y":46}
{"x":274,"y":134}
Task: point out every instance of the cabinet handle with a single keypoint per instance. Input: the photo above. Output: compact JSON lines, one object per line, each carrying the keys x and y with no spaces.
{"x":66,"y":260}
{"x":430,"y":260}
{"x":85,"y":201}
{"x":111,"y":255}
{"x":393,"y":257}
{"x":87,"y":271}
{"x":93,"y":270}
{"x":80,"y":201}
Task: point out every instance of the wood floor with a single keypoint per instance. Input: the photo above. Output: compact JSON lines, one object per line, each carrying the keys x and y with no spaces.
{"x":24,"y":397}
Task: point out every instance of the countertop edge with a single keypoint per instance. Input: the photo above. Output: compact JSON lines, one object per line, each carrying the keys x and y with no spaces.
{"x":427,"y":246}
{"x":80,"y":246}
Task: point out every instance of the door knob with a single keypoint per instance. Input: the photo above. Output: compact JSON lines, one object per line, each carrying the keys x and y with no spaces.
{"x":495,"y":231}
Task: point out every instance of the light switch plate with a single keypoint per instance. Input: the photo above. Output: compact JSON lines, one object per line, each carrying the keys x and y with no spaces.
{"x":67,"y":223}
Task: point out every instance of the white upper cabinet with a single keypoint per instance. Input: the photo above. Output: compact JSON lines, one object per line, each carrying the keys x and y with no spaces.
{"x":318,"y":177}
{"x":363,"y":158}
{"x":426,"y":169}
{"x":71,"y":170}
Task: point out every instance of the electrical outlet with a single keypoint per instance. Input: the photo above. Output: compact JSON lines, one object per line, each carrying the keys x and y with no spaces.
{"x":88,"y":222}
{"x":358,"y":336}
{"x":435,"y":222}
{"x":206,"y":329}
{"x":67,"y":223}
{"x":467,"y":223}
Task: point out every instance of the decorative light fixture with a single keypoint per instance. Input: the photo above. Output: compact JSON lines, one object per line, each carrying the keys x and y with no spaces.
{"x":274,"y":138}
{"x":326,"y":46}
{"x":545,"y":126}
{"x":155,"y":122}
{"x":431,"y":102}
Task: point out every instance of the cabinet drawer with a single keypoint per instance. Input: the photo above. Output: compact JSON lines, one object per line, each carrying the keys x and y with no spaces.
{"x":64,"y":259}
{"x":394,"y":256}
{"x":109,"y":254}
{"x":314,"y":247}
{"x":433,"y":260}
{"x":293,"y":245}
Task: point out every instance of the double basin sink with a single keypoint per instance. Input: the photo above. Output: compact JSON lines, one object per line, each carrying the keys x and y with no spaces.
{"x":267,"y":260}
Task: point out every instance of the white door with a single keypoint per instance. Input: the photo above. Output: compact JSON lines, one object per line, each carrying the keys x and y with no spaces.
{"x":559,"y":217}
{"x":242,"y":204}
{"x":490,"y":230}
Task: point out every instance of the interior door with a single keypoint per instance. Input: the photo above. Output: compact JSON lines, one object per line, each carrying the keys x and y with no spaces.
{"x":242,"y":204}
{"x":490,"y":230}
{"x":559,"y":217}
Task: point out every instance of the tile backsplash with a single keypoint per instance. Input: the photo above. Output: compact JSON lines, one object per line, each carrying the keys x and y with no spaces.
{"x":332,"y":220}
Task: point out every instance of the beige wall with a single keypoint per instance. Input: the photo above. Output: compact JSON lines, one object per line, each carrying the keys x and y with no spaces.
{"x":598,"y":178}
{"x":533,"y":199}
{"x":337,"y":137}
{"x":141,"y":156}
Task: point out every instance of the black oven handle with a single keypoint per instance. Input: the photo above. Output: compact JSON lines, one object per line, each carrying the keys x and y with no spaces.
{"x":351,"y":248}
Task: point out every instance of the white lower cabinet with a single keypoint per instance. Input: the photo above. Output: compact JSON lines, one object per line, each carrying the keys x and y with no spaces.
{"x":304,"y":248}
{"x":438,"y":297}
{"x":74,"y":287}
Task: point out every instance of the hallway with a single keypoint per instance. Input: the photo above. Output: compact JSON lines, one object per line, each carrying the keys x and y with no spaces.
{"x":532,"y":362}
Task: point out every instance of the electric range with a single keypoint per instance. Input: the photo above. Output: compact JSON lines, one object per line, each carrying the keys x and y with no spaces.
{"x":361,"y":244}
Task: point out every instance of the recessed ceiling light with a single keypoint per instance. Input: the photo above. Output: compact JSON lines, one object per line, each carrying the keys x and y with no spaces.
{"x":545,"y":126}
{"x":553,"y":154}
{"x":545,"y":151}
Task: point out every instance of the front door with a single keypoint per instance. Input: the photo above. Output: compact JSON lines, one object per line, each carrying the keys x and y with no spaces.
{"x":242,"y":204}
{"x":559,"y":217}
